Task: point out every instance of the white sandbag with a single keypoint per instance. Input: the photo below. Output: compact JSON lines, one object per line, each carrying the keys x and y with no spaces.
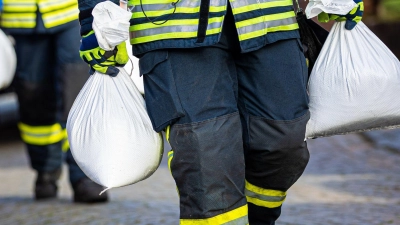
{"x":354,"y":85}
{"x":8,"y":61}
{"x":110,"y":24}
{"x":132,"y":67}
{"x":110,"y":132}
{"x":339,"y":7}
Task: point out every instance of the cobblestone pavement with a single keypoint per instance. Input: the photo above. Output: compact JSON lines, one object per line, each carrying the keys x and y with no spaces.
{"x":352,"y":179}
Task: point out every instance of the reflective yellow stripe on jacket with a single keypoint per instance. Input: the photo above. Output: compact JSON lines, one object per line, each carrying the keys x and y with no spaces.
{"x":261,"y":25}
{"x":172,"y":28}
{"x":41,"y":135}
{"x":58,"y":12}
{"x":181,"y":20}
{"x":22,"y":13}
{"x":19,"y":14}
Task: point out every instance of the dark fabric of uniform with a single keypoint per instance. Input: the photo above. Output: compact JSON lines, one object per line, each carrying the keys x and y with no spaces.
{"x":49,"y":76}
{"x":203,"y":93}
{"x":209,"y":182}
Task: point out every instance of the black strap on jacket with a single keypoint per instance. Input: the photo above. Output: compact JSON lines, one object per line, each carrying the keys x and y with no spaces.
{"x":203,"y":20}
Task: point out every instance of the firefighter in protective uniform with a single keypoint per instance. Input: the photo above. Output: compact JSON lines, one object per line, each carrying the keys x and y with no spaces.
{"x":227,"y":82}
{"x":49,"y":76}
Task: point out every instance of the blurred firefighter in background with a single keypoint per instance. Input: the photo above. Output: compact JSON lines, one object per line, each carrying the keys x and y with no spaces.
{"x":49,"y":76}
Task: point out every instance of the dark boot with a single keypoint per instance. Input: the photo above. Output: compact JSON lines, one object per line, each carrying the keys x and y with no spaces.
{"x":87,"y":191}
{"x":46,"y":184}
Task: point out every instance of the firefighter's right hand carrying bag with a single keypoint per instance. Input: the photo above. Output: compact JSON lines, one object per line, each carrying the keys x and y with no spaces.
{"x":110,"y":133}
{"x":354,"y":85}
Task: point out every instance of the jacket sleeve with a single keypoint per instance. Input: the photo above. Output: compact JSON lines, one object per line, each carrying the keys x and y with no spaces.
{"x":85,"y":13}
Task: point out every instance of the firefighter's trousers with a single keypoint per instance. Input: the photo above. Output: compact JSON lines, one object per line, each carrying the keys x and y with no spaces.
{"x":236,"y":123}
{"x":49,"y":76}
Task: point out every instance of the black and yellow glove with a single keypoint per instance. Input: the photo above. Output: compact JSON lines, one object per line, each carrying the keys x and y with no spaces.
{"x":101,"y":60}
{"x":351,"y":18}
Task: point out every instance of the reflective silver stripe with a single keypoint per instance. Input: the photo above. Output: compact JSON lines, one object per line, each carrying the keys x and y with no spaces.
{"x":241,"y":220}
{"x":16,"y":4}
{"x":56,"y":2}
{"x":50,"y":19}
{"x":264,"y":197}
{"x":216,"y":3}
{"x":266,"y":24}
{"x":237,"y":4}
{"x":163,"y":7}
{"x":172,"y":29}
{"x":180,"y":4}
{"x":12,"y":6}
{"x":163,"y":30}
{"x":41,"y":135}
{"x":53,"y":2}
{"x":25,"y":19}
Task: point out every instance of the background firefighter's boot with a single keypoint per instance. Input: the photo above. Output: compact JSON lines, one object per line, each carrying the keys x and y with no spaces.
{"x":45,"y":185}
{"x":87,"y":191}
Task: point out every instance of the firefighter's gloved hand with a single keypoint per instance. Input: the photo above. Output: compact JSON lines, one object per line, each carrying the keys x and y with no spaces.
{"x":101,"y":60}
{"x":352,"y":18}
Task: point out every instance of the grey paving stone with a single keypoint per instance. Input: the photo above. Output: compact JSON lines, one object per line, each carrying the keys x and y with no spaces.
{"x":348,"y":181}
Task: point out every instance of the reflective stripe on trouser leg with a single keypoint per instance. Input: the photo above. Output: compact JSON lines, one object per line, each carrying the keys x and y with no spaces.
{"x":41,"y":135}
{"x":276,"y":160}
{"x":73,"y":73}
{"x":273,"y":102}
{"x":208,"y":169}
{"x":44,"y":145}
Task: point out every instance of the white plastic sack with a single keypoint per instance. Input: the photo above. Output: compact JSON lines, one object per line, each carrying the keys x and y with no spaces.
{"x":110,"y":132}
{"x":354,"y":85}
{"x":339,"y":7}
{"x":8,"y":61}
{"x":110,"y":24}
{"x":132,"y":67}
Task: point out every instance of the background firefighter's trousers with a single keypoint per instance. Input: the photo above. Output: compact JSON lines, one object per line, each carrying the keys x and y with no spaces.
{"x":237,"y":126}
{"x":49,"y":76}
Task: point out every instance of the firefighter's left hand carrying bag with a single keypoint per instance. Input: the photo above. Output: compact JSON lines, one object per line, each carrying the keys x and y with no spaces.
{"x":110,"y":132}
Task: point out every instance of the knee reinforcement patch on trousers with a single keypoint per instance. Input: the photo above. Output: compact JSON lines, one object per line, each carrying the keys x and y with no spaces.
{"x":208,"y":166}
{"x":277,"y":154}
{"x":265,"y":134}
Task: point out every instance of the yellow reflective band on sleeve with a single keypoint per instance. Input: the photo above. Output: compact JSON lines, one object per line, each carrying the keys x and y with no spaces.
{"x":60,"y":17}
{"x":264,"y":197}
{"x":19,"y":6}
{"x":65,"y":144}
{"x":41,"y":135}
{"x":54,"y":5}
{"x":18,"y":20}
{"x":233,"y":217}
